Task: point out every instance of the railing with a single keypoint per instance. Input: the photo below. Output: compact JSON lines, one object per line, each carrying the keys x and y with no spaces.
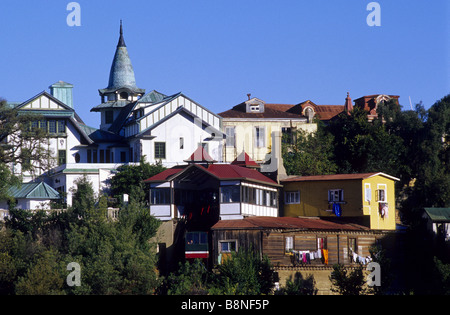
{"x":113,"y":213}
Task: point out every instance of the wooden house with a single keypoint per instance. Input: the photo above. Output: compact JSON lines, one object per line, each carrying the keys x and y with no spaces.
{"x":368,"y":198}
{"x":291,"y":242}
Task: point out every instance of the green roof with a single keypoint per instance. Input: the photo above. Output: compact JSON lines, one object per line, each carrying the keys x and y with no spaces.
{"x":33,"y":191}
{"x":438,"y":214}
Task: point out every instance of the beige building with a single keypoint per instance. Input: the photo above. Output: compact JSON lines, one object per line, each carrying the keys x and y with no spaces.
{"x":249,"y":127}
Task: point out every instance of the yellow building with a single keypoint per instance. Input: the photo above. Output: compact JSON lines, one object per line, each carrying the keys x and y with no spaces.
{"x":367,"y":198}
{"x":250,"y":125}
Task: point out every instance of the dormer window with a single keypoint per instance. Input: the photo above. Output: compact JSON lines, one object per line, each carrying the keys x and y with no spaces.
{"x":124,"y":95}
{"x":254,"y":108}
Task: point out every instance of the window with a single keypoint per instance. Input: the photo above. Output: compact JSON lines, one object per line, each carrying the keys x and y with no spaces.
{"x":287,"y":135}
{"x":61,"y":157}
{"x":34,"y":125}
{"x":109,"y":117}
{"x":160,"y":196}
{"x":351,"y":247}
{"x":227,"y":246}
{"x":254,"y":108}
{"x":95,"y":156}
{"x":322,"y":243}
{"x":231,"y":138}
{"x":123,"y":157}
{"x":124,"y":95}
{"x":260,"y":137}
{"x":61,"y":126}
{"x":43,"y":125}
{"x":195,"y":238}
{"x":160,"y":150}
{"x":108,"y":156}
{"x":291,"y":197}
{"x":289,"y":244}
{"x":367,"y":193}
{"x":258,"y":196}
{"x":52,"y":126}
{"x":181,"y":143}
{"x":336,"y":195}
{"x":381,"y":195}
{"x":230,"y":194}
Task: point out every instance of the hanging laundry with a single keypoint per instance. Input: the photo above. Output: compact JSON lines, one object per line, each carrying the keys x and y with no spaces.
{"x":337,"y":210}
{"x":325,"y":256}
{"x":355,"y":257}
{"x":384,"y":210}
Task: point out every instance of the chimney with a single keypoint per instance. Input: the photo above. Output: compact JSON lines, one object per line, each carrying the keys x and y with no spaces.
{"x":348,"y":104}
{"x":63,"y":91}
{"x":249,"y":96}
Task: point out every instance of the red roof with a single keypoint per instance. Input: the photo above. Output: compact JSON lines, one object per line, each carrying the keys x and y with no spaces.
{"x":288,"y":111}
{"x":200,"y":155}
{"x":286,"y":223}
{"x":245,"y":160}
{"x":220,"y":171}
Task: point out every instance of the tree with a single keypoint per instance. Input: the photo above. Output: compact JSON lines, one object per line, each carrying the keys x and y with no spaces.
{"x":347,"y":282}
{"x":299,"y":286}
{"x":245,"y":273}
{"x":310,"y":153}
{"x":361,"y":146}
{"x":23,"y":141}
{"x":129,"y":179}
{"x":190,"y":279}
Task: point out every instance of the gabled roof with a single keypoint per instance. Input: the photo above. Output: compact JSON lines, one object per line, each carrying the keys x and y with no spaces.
{"x":218,"y":171}
{"x":245,"y":160}
{"x":34,"y":191}
{"x":270,"y":111}
{"x":286,"y":223}
{"x":438,"y":214}
{"x":200,"y":156}
{"x":337,"y":177}
{"x":179,"y":110}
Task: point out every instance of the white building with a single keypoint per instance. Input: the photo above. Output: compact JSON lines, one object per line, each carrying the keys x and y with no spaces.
{"x":133,"y":124}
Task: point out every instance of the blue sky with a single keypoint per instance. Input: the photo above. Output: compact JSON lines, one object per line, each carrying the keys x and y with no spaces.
{"x":216,"y":51}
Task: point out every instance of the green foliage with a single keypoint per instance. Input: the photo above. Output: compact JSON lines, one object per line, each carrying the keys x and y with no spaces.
{"x":299,"y":286}
{"x":116,"y":257}
{"x":129,"y":179}
{"x":245,"y":273}
{"x":190,"y":279}
{"x":346,"y":282}
{"x":310,"y":154}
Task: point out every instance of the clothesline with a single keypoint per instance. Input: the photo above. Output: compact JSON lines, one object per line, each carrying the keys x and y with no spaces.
{"x":305,"y":256}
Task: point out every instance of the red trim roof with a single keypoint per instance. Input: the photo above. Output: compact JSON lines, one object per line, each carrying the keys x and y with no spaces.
{"x":220,"y":171}
{"x":245,"y":160}
{"x":200,"y":155}
{"x":286,"y":223}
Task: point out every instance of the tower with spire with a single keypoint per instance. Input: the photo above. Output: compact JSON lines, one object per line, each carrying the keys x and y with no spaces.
{"x":121,"y":89}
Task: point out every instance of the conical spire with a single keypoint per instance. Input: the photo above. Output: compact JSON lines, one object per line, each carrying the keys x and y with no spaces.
{"x":122,"y":73}
{"x":121,"y":40}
